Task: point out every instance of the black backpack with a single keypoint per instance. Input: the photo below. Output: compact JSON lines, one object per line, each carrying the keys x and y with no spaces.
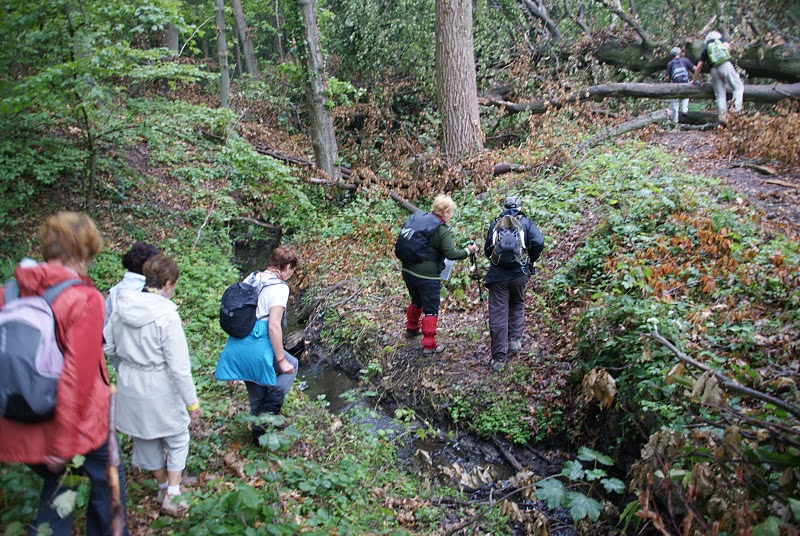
{"x":508,"y":241}
{"x":415,"y":236}
{"x":237,"y":309}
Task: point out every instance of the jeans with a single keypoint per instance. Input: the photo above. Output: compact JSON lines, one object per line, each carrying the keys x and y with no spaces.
{"x":506,"y":313}
{"x":98,"y":509}
{"x":269,"y":398}
{"x":425,"y":293}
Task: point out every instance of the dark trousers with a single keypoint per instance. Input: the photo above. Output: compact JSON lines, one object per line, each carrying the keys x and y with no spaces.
{"x":506,"y":312}
{"x":269,"y":398}
{"x":425,"y":293}
{"x":98,"y":509}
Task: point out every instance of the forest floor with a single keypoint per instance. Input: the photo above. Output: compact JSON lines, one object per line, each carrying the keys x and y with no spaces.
{"x":765,"y":186}
{"x":425,"y":383}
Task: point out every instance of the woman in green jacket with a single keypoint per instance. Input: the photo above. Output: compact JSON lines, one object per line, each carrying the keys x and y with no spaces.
{"x":424,"y":243}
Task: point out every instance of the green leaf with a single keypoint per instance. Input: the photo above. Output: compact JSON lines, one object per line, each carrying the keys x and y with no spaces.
{"x":586,"y":454}
{"x":581,"y":506}
{"x":249,"y":497}
{"x":794,"y":504}
{"x":551,"y":491}
{"x":573,"y":470}
{"x":594,"y":474}
{"x":15,"y":528}
{"x":64,"y":503}
{"x":770,"y":527}
{"x":271,"y":441}
{"x":613,"y":485}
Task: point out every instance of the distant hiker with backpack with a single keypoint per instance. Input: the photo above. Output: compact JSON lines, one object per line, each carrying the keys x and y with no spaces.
{"x":422,"y":246}
{"x":132,"y":279}
{"x":258,"y":357}
{"x":512,"y":245}
{"x":723,"y":74}
{"x":68,"y":242}
{"x":677,"y":72}
{"x":156,"y":396}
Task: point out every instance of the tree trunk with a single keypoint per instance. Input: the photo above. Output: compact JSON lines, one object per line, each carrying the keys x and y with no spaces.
{"x":752,"y":93}
{"x":457,"y":96}
{"x":780,"y":62}
{"x":278,"y":32}
{"x":238,"y":69}
{"x":168,"y":38}
{"x":250,"y":61}
{"x":222,"y":52}
{"x":323,"y":137}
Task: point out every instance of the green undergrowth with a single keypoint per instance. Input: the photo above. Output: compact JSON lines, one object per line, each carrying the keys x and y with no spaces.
{"x":659,"y":252}
{"x":323,"y":474}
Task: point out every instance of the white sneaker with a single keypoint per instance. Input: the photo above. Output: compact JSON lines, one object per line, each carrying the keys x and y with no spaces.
{"x":174,"y":507}
{"x":514,"y":345}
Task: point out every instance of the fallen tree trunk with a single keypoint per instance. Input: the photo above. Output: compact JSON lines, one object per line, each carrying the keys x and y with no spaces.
{"x":659,"y":116}
{"x":781,"y":62}
{"x":752,"y":93}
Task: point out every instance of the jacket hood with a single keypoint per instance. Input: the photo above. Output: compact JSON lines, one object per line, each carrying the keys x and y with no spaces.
{"x":137,"y":308}
{"x":34,"y":277}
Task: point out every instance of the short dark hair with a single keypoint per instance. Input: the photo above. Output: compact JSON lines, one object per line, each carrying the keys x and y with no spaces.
{"x":159,"y":270}
{"x":284,"y":256}
{"x":135,"y":258}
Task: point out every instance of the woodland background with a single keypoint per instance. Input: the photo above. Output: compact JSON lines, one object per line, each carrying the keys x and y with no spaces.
{"x":657,"y":391}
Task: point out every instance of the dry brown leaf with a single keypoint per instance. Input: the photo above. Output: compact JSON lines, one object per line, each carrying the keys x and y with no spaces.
{"x":600,"y":385}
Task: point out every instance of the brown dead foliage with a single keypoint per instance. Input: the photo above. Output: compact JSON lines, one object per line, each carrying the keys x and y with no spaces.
{"x":765,"y":136}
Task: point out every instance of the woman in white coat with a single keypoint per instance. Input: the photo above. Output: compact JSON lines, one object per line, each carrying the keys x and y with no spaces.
{"x":156,"y":397}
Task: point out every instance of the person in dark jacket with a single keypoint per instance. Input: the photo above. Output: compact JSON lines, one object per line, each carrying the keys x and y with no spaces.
{"x":677,"y":72}
{"x":506,"y":282}
{"x":422,"y":276}
{"x":68,"y":242}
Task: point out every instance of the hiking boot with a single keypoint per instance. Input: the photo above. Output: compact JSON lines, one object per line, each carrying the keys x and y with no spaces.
{"x":438,"y":350}
{"x":161,"y":494}
{"x":498,"y":362}
{"x":514,"y":345}
{"x":411,"y":333}
{"x":283,"y":424}
{"x":173,"y":506}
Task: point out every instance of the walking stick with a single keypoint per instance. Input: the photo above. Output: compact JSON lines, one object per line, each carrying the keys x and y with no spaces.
{"x":112,"y":470}
{"x":476,"y":276}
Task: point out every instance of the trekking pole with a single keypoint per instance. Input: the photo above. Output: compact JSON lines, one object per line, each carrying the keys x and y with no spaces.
{"x":477,"y":278}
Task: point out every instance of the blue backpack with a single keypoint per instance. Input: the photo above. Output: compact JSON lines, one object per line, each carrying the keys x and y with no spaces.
{"x":30,"y":357}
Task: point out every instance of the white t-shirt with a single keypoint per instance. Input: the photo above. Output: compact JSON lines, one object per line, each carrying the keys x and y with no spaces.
{"x":275,"y":293}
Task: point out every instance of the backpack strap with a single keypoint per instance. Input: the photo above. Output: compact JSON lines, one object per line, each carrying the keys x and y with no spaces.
{"x":10,"y":290}
{"x":51,"y":293}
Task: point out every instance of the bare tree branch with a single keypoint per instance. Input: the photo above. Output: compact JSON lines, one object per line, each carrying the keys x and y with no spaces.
{"x":629,"y":21}
{"x":542,"y":15}
{"x":733,"y":385}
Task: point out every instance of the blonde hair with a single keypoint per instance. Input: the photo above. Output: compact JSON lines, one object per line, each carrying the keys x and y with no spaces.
{"x":69,"y":236}
{"x":443,"y":203}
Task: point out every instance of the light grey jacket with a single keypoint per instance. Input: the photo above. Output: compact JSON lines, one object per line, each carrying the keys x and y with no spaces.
{"x":154,"y":383}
